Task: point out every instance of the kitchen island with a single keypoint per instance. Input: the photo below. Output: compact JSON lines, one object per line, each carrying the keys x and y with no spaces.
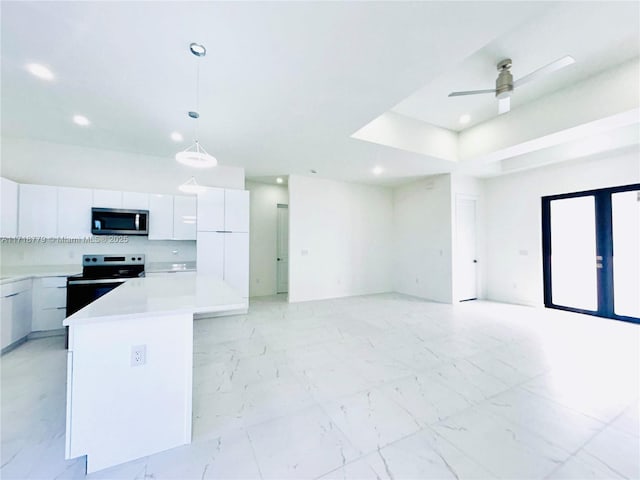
{"x":129,"y":366}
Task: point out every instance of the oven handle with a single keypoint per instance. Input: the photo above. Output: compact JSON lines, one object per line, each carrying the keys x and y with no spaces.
{"x":95,"y":282}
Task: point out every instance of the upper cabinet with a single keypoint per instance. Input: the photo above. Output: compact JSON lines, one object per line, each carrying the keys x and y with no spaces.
{"x":74,"y":212}
{"x":236,"y":210}
{"x":9,"y":208}
{"x":211,"y":210}
{"x":222,"y":210}
{"x":184,"y":217}
{"x":38,"y":212}
{"x":160,"y":217}
{"x":135,"y":201}
{"x":107,"y":199}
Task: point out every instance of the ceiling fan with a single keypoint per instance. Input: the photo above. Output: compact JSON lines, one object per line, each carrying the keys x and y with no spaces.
{"x":505,"y":83}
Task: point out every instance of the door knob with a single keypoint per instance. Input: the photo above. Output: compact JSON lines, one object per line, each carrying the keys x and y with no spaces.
{"x":278,"y":259}
{"x":475,"y":261}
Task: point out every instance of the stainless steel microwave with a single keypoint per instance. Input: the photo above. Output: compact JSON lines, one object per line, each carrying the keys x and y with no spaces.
{"x":117,"y":221}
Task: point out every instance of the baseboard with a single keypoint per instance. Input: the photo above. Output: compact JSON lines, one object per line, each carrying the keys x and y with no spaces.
{"x":14,"y":345}
{"x":46,"y":333}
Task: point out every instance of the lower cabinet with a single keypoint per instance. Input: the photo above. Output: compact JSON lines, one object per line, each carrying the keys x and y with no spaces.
{"x":49,"y":303}
{"x":16,"y":312}
{"x":225,"y":255}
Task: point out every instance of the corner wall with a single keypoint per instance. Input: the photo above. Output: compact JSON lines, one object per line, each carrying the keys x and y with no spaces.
{"x":423,"y":238}
{"x":513,"y":219}
{"x":263,"y":246}
{"x":339,"y":239}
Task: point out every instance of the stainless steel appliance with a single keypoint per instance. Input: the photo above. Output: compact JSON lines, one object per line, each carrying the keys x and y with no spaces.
{"x":101,"y":274}
{"x":118,"y":221}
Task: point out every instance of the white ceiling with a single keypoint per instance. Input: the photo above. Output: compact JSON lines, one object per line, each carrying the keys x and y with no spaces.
{"x":284,"y":84}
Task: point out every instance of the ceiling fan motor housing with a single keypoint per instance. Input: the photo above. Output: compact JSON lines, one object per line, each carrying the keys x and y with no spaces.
{"x":504,"y":82}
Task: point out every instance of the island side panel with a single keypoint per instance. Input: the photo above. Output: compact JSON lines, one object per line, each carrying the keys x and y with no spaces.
{"x":120,"y":412}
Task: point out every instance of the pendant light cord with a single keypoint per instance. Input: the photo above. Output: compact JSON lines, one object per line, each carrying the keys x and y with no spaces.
{"x":195,"y":127}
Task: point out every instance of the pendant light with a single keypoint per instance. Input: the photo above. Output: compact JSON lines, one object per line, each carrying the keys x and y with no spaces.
{"x":191,"y":186}
{"x":195,"y":155}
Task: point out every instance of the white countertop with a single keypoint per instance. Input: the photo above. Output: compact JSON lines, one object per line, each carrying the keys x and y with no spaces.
{"x":13,"y":274}
{"x":10,"y":274}
{"x":192,"y":293}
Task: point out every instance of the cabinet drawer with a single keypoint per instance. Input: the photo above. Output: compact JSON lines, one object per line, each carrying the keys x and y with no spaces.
{"x":15,"y":287}
{"x":51,"y":282}
{"x":48,"y":319}
{"x":51,"y":297}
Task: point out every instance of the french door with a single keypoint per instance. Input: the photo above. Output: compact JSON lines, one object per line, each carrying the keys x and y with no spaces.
{"x":591,"y":252}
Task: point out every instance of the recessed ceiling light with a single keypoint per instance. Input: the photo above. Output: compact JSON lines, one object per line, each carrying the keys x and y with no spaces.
{"x":466,"y":118}
{"x":40,"y":71}
{"x":176,"y":137}
{"x":198,"y":50}
{"x":81,"y":120}
{"x":279,"y":180}
{"x":378,"y":170}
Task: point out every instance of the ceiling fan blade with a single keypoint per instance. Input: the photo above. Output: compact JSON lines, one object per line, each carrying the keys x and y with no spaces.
{"x":504,"y":105}
{"x":547,"y":69}
{"x":471,"y":92}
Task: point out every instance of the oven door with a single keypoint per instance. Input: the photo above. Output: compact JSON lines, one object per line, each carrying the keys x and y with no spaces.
{"x":81,"y":292}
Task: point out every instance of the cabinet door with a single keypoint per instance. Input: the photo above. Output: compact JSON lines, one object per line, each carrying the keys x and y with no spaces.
{"x":210,"y":216}
{"x":107,"y":199}
{"x":236,"y":261}
{"x":135,"y":201}
{"x":74,"y":212}
{"x":236,"y":210}
{"x":38,"y":211}
{"x":210,"y":254}
{"x":6,"y":320}
{"x":184,"y":217}
{"x":9,"y":192}
{"x":160,"y":217}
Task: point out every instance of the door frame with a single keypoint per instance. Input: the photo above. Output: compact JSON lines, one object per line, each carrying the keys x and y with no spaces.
{"x":456,"y":264}
{"x":280,"y":206}
{"x":604,"y":247}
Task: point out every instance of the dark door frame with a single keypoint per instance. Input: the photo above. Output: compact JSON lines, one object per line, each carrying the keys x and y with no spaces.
{"x":604,"y":248}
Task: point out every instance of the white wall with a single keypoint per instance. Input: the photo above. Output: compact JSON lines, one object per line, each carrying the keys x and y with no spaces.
{"x":464,"y":186}
{"x":45,"y":163}
{"x":339,"y":239}
{"x":422,"y":239}
{"x":513,"y":219}
{"x":263,"y":236}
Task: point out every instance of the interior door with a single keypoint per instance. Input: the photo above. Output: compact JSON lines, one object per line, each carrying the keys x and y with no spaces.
{"x":466,"y":259}
{"x":591,"y":252}
{"x":283,"y":249}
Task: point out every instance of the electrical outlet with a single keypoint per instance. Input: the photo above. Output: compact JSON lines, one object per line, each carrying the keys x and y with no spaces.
{"x":138,"y":355}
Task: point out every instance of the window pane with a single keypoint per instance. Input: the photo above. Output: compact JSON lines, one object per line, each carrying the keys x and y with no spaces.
{"x":625,"y":209}
{"x":573,"y":253}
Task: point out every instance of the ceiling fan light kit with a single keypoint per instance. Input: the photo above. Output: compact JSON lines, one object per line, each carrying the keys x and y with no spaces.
{"x":505,"y":83}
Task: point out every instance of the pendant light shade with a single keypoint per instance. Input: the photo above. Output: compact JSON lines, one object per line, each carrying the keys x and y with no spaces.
{"x":196,"y":156}
{"x":191,"y":186}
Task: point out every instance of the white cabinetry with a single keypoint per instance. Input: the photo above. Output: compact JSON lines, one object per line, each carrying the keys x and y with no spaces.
{"x":236,"y":211}
{"x":223,"y":239}
{"x":184,"y":217}
{"x":135,"y":201}
{"x":236,"y":261}
{"x":210,"y":254}
{"x":9,"y":193}
{"x":160,"y":217}
{"x":15,"y":311}
{"x":211,"y":210}
{"x":38,"y":211}
{"x":49,"y":303}
{"x":107,"y":199}
{"x":74,"y":212}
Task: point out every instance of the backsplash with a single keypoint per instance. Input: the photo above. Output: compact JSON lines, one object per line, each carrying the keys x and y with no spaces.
{"x":53,"y":253}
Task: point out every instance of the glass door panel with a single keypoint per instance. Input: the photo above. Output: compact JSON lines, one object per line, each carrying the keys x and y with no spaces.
{"x":573,"y":253}
{"x":625,"y":211}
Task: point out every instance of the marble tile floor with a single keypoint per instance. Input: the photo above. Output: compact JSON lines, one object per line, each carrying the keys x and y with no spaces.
{"x":382,"y":386}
